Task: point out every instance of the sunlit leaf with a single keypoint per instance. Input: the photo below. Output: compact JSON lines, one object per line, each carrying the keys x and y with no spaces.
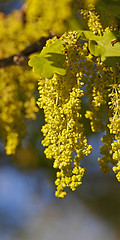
{"x":50,"y":60}
{"x":106,"y":46}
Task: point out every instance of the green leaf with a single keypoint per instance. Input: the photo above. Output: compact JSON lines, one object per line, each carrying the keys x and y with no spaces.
{"x":102,"y":45}
{"x":49,"y":61}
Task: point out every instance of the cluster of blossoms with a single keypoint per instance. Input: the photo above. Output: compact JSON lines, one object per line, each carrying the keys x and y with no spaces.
{"x":98,"y":92}
{"x":103,"y":90}
{"x":60,"y":97}
{"x":93,"y":20}
{"x":17,"y":105}
{"x":114,"y":127}
{"x":111,"y":149}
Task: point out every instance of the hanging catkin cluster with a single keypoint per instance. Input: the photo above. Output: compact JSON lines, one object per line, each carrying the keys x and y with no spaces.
{"x":114,"y":126}
{"x":17,"y":104}
{"x":93,"y":20}
{"x":103,"y":90}
{"x":60,"y":97}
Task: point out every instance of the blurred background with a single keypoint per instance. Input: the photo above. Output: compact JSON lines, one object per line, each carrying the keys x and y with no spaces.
{"x":28,"y":207}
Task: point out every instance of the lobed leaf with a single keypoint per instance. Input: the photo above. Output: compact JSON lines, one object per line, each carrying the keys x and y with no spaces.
{"x":103,"y":46}
{"x":49,"y":61}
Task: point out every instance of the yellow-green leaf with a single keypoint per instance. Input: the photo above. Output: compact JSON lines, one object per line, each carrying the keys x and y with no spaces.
{"x":50,"y":60}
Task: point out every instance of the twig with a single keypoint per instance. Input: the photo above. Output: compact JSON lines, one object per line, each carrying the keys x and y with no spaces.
{"x":21,"y":58}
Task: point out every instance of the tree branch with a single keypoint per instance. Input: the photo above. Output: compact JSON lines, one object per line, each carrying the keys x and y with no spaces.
{"x":21,"y":58}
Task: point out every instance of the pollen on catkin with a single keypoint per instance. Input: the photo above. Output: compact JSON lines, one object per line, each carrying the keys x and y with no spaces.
{"x":60,"y":97}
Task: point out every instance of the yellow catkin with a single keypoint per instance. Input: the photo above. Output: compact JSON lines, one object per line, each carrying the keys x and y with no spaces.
{"x":60,"y":97}
{"x":17,"y":105}
{"x":114,"y":126}
{"x":93,"y":20}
